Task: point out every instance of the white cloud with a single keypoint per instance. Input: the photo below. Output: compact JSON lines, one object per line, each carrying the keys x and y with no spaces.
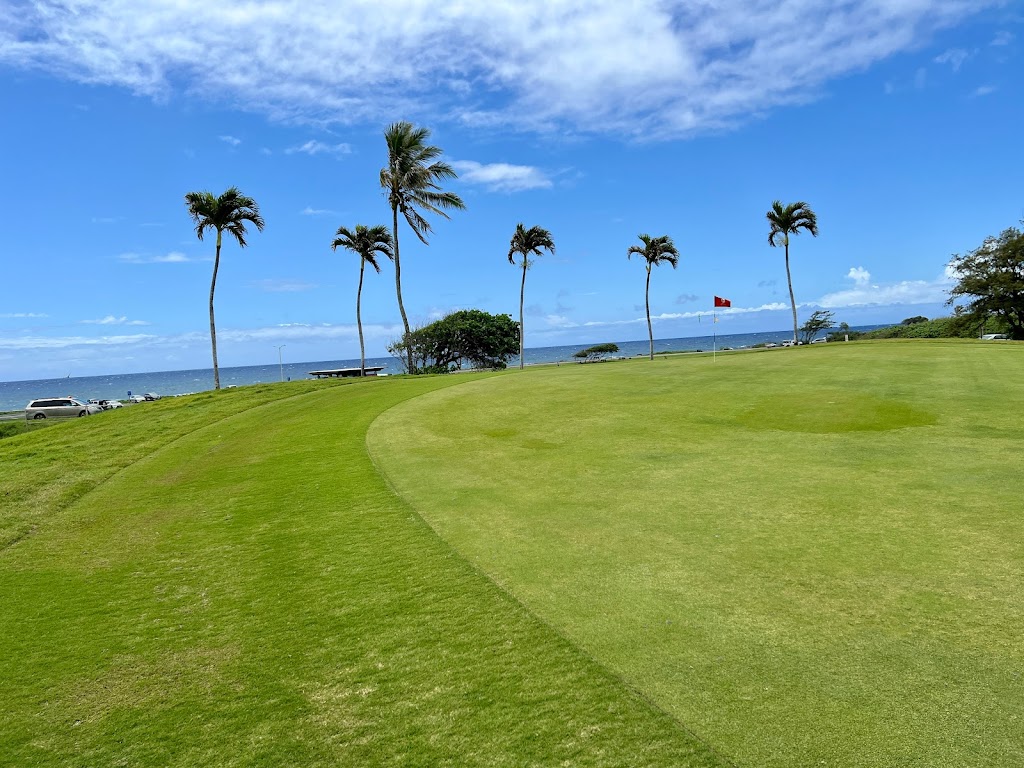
{"x":864,"y":293}
{"x":1002,"y":38}
{"x":859,"y":275}
{"x":313,"y":147}
{"x":174,"y":257}
{"x":283,"y":286}
{"x":230,"y":140}
{"x":984,"y":90}
{"x":310,"y":211}
{"x":645,"y":68}
{"x":501,"y":177}
{"x":284,"y":333}
{"x":112,"y":320}
{"x":63,"y":342}
{"x":955,"y":57}
{"x":19,"y":315}
{"x":560,"y":321}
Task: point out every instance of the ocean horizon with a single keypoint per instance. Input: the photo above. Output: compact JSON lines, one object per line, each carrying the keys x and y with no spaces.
{"x":14,"y":395}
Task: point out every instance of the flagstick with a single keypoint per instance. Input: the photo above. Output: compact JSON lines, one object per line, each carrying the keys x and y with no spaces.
{"x":714,"y":349}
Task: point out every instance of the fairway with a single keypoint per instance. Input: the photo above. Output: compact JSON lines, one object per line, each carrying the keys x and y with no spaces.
{"x":808,"y":557}
{"x":225,"y":580}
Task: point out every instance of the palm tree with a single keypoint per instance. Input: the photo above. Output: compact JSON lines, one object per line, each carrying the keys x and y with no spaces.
{"x":229,"y":212}
{"x":524,"y":242}
{"x":655,"y":250}
{"x":786,"y":220}
{"x":410,"y":181}
{"x":366,"y":242}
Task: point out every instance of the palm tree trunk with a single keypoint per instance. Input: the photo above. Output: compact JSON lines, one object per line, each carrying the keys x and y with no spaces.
{"x":398,"y":287}
{"x":522,"y":328}
{"x":213,"y":325}
{"x":359,"y":319}
{"x":792,"y":299}
{"x":647,"y":301}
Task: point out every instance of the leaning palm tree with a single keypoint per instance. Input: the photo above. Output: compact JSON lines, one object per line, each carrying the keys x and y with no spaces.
{"x":367,"y":243}
{"x":655,"y":251}
{"x":786,"y":220}
{"x":228,"y":212}
{"x":524,"y":242}
{"x":410,"y":181}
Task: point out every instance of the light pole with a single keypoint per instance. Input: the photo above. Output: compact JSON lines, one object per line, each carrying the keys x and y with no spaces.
{"x":280,"y":362}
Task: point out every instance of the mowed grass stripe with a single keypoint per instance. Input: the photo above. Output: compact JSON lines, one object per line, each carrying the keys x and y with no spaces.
{"x":254,"y":594}
{"x":810,"y":556}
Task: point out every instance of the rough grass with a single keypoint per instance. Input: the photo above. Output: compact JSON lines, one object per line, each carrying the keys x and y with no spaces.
{"x":227,"y":580}
{"x":811,"y":556}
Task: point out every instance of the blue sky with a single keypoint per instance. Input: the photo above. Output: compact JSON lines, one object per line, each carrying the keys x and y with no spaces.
{"x":898,"y":121}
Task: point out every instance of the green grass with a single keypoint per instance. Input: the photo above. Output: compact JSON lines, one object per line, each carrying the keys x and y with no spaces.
{"x":809,"y":557}
{"x":226,"y":580}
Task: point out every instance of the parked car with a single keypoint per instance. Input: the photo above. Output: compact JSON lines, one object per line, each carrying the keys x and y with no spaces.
{"x":822,"y":340}
{"x":109,"y":405}
{"x":150,"y":396}
{"x":137,"y":399}
{"x":994,"y":336}
{"x":59,"y":407}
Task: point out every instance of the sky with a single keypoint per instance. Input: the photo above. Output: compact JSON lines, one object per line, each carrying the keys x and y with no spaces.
{"x":897,"y":121}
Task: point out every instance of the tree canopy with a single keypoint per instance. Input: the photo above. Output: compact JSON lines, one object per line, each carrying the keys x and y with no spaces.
{"x":596,"y":352}
{"x":467,"y":338}
{"x":818,"y":321}
{"x":992,"y":277}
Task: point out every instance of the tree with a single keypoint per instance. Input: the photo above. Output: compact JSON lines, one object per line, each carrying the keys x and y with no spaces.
{"x":992,"y":276}
{"x":655,"y":251}
{"x":229,"y":212}
{"x":786,"y":220}
{"x":411,"y":182}
{"x":818,"y":321}
{"x":367,"y":243}
{"x":468,"y":336}
{"x":526,"y":242}
{"x":915,"y":320}
{"x":596,"y":352}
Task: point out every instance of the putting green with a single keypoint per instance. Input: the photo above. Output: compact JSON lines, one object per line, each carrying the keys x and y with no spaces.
{"x":809,"y":556}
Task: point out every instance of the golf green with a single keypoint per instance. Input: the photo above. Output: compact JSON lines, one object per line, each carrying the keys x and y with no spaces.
{"x":811,"y":556}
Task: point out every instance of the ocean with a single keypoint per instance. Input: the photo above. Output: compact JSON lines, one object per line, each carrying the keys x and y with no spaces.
{"x":14,"y":395}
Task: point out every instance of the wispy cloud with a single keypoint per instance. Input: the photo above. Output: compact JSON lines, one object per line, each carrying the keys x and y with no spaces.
{"x":649,"y":68}
{"x":113,"y":320}
{"x":174,"y":257}
{"x":313,"y":147}
{"x":234,"y":142}
{"x":105,"y":219}
{"x":984,"y":90}
{"x":310,"y":211}
{"x":501,"y":177}
{"x":687,"y":298}
{"x":955,"y":57}
{"x":1002,"y":37}
{"x":563,"y":322}
{"x":283,"y":285}
{"x":23,"y":315}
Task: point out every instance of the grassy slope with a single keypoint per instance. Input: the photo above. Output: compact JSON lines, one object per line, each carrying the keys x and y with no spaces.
{"x":810,"y":556}
{"x":234,"y":584}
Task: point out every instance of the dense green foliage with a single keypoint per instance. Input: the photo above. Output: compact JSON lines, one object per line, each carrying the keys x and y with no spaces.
{"x":226,"y":580}
{"x":467,"y":338}
{"x":992,"y":277}
{"x":596,"y":352}
{"x":811,"y":556}
{"x":958,"y":326}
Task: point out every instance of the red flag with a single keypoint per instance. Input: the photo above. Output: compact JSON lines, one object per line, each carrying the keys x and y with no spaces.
{"x":720,"y":302}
